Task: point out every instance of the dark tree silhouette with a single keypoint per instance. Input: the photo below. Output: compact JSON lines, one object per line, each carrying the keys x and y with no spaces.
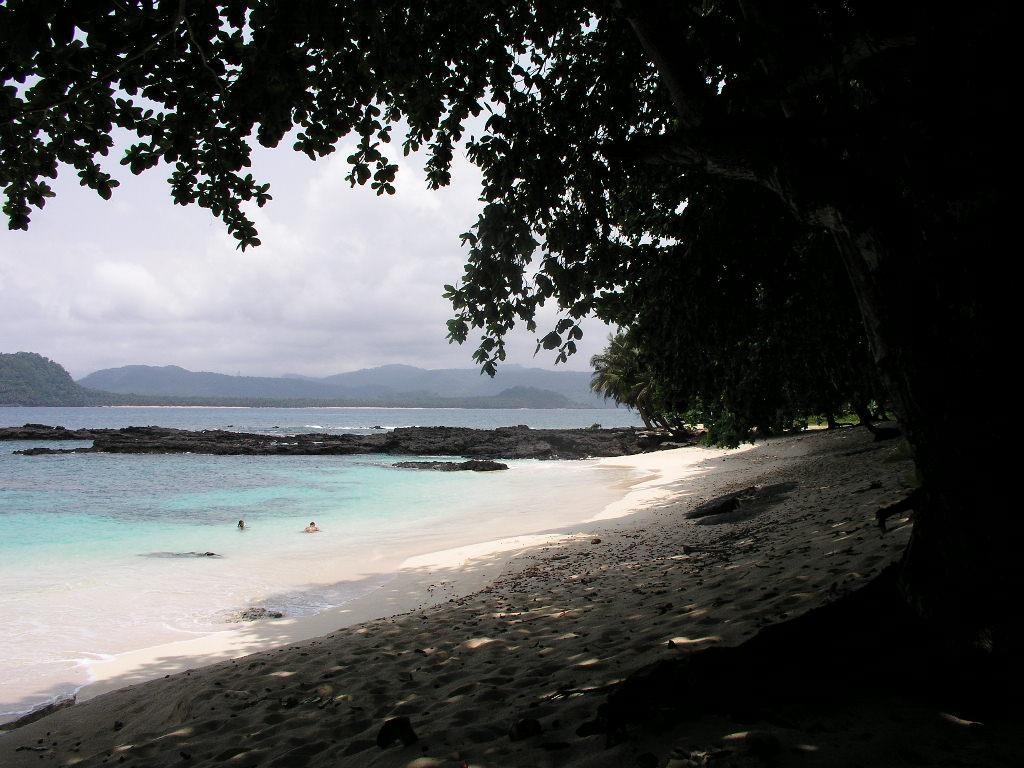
{"x":876,"y":128}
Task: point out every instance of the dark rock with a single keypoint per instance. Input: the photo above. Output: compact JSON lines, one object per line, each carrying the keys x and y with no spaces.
{"x":396,"y":729}
{"x":181,"y":554}
{"x":44,"y":432}
{"x":525,"y":728}
{"x":670,"y":444}
{"x":473,"y":465}
{"x":254,"y":614}
{"x":505,"y":442}
{"x":595,"y":540}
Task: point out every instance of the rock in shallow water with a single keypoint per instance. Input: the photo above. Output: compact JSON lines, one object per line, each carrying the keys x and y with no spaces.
{"x":254,"y":614}
{"x":473,"y":465}
{"x":181,"y":554}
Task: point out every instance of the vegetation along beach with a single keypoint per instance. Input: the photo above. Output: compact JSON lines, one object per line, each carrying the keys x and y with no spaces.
{"x":277,"y":490}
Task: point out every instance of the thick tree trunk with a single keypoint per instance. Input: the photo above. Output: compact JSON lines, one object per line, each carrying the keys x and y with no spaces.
{"x":918,"y":237}
{"x":926,"y":332}
{"x":911,"y":200}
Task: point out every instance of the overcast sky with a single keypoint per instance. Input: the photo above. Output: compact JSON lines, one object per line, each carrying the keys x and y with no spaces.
{"x":344,"y":279}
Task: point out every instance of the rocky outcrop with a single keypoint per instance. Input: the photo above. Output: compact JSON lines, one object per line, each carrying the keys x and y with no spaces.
{"x":504,"y":442}
{"x":44,"y":432}
{"x":473,"y":465}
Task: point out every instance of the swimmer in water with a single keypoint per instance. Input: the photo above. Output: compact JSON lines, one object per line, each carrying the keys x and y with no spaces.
{"x":311,"y":528}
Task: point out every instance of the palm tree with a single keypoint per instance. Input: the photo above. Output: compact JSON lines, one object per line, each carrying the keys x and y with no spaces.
{"x":620,"y":374}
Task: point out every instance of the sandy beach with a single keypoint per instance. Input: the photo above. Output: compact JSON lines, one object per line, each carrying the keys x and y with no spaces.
{"x":496,"y":654}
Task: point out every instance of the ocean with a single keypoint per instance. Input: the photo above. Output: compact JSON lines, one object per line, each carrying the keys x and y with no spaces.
{"x":103,"y":554}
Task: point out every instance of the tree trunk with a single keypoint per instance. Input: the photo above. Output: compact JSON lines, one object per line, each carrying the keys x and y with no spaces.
{"x":926,"y":327}
{"x":911,"y":200}
{"x":860,"y":408}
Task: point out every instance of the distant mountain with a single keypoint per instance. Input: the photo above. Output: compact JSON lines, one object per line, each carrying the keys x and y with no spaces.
{"x":27,"y":378}
{"x":389,"y":385}
{"x":520,"y":397}
{"x":464,"y":382}
{"x":174,"y":381}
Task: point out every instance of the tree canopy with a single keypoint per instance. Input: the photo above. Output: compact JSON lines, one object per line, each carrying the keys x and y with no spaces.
{"x":30,"y":379}
{"x":579,"y":147}
{"x":757,"y":169}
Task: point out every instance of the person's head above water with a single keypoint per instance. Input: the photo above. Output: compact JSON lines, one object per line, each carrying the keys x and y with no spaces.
{"x":241,"y":524}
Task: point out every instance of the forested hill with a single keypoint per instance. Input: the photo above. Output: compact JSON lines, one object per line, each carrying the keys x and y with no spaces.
{"x":174,"y":381}
{"x":389,"y":385}
{"x":27,"y":378}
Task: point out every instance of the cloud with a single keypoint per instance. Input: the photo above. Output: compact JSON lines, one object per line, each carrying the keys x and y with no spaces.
{"x":343,"y":280}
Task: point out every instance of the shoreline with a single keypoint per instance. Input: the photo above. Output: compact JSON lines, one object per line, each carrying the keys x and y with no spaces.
{"x":419,"y":581}
{"x":366,"y":572}
{"x":508,"y":675}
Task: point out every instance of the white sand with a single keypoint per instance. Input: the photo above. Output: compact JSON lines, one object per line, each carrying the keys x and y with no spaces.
{"x":422,"y":581}
{"x":552,"y":629}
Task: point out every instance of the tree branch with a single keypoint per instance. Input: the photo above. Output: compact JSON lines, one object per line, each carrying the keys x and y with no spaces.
{"x":78,"y":89}
{"x":688,"y":152}
{"x":664,"y":43}
{"x":202,"y":55}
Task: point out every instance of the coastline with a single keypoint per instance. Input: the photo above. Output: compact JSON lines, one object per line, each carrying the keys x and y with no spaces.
{"x":423,"y":580}
{"x":508,"y":675}
{"x":277,"y":570}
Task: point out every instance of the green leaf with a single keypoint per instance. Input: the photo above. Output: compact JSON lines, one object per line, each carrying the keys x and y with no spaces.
{"x":551,"y":341}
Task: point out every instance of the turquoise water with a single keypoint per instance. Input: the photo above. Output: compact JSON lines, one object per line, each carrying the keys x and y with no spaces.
{"x":92,"y":547}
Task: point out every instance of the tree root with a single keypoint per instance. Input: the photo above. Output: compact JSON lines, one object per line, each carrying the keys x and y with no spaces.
{"x":910,"y":502}
{"x":867,"y":641}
